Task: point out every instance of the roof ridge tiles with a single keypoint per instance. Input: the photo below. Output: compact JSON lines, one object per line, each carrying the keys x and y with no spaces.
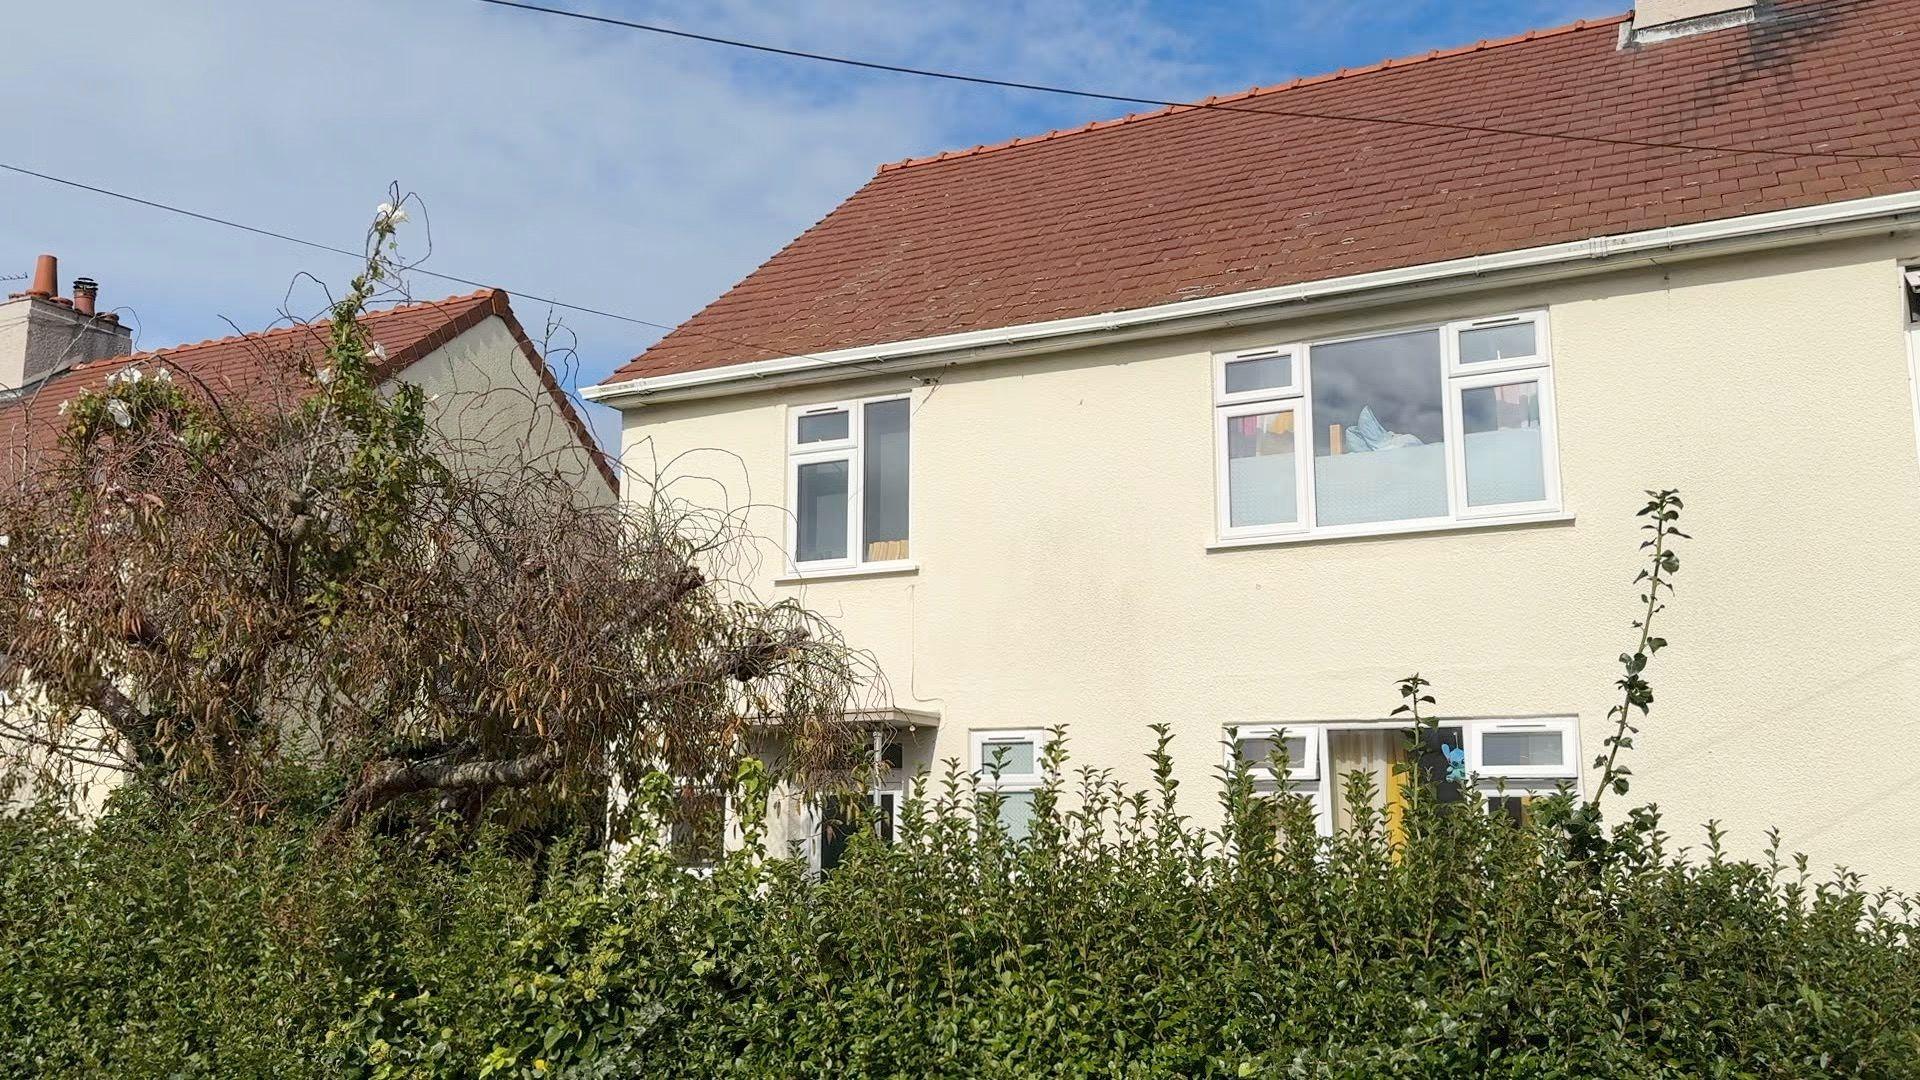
{"x":291,"y":328}
{"x":1392,"y":63}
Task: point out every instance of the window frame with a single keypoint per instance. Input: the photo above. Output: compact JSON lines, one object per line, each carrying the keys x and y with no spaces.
{"x":1223,"y":415}
{"x":1543,"y":350}
{"x":1316,"y":747}
{"x":851,"y":450}
{"x":1295,"y":358}
{"x":978,"y":740}
{"x":1457,"y":386}
{"x":1568,"y":767}
{"x":1454,"y":378}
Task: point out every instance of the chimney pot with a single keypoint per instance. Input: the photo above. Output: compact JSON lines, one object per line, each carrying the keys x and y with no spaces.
{"x":46,"y":278}
{"x":85,"y":292}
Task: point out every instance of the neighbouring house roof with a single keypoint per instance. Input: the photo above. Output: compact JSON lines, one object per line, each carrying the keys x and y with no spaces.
{"x":1189,"y":202}
{"x":257,"y":367}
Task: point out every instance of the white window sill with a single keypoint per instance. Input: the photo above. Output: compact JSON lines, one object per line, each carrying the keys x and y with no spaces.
{"x":880,"y":569}
{"x":1558,"y":517}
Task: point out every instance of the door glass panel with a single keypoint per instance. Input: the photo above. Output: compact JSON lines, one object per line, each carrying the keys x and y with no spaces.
{"x":1262,"y":480}
{"x":1379,"y":440}
{"x":1501,"y":426}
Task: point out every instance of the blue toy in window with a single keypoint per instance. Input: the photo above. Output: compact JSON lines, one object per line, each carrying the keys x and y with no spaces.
{"x":1456,"y":762}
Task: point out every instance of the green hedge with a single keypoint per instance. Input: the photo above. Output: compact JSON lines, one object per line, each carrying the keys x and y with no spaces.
{"x":1118,"y":940}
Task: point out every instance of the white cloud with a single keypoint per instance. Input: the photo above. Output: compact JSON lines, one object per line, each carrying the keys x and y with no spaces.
{"x":613,"y":169}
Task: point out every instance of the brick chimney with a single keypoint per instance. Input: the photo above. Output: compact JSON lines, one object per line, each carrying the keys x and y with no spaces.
{"x":1661,"y":20}
{"x":42,"y":333}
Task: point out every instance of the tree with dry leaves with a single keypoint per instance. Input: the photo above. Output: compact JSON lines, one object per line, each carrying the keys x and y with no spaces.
{"x":213,"y":595}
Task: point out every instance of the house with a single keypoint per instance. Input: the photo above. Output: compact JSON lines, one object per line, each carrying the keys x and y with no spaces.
{"x":1229,"y":415}
{"x":491,"y":395}
{"x":492,"y":390}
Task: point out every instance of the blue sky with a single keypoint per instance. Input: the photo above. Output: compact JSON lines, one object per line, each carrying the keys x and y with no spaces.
{"x":617,"y":170}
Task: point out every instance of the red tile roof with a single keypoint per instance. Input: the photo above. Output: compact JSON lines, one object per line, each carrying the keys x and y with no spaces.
{"x":261,"y":366}
{"x":1189,"y":202}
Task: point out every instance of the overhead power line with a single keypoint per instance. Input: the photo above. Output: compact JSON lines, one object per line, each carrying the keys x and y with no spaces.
{"x":469,"y":282}
{"x":315,"y":244}
{"x":1135,"y":99}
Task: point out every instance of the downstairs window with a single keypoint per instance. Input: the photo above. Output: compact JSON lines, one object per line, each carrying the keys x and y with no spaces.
{"x":1510,"y":762}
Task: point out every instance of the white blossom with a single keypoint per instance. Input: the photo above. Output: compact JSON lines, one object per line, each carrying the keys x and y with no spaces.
{"x":64,"y":406}
{"x":323,"y":376}
{"x":378,"y":351}
{"x":120,"y":413}
{"x":162,"y":376}
{"x":389,"y":214}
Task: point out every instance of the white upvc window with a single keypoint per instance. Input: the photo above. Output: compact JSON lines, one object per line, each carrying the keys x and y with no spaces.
{"x":1522,"y":750}
{"x":1009,"y":762}
{"x":848,"y":488}
{"x":1258,"y":742}
{"x":1399,"y":431}
{"x":1509,"y":761}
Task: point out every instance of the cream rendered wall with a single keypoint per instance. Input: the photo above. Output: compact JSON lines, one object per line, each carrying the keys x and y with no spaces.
{"x":1063,"y":505}
{"x":491,"y":403}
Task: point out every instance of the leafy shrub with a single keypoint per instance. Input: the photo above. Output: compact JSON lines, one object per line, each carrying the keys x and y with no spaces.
{"x":1118,"y":939}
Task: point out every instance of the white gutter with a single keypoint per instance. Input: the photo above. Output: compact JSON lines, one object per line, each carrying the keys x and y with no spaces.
{"x":1726,"y":235}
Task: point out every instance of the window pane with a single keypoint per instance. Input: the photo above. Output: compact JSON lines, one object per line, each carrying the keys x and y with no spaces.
{"x":1379,"y":443}
{"x":1507,"y":748}
{"x":1016,"y":810}
{"x":1502,"y":434}
{"x":1015,"y":757}
{"x":1263,"y":373}
{"x":1258,"y":750}
{"x":1489,"y":343}
{"x":822,"y":427}
{"x":883,"y":493}
{"x":1261,"y":479}
{"x":821,"y":506}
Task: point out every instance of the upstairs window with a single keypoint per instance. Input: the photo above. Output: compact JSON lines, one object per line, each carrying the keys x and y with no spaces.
{"x":848,"y":484}
{"x":1387,"y":432}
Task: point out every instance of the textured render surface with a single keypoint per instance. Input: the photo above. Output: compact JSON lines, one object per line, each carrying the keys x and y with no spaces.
{"x":1063,"y":506}
{"x":494,"y":405}
{"x":1190,"y":203}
